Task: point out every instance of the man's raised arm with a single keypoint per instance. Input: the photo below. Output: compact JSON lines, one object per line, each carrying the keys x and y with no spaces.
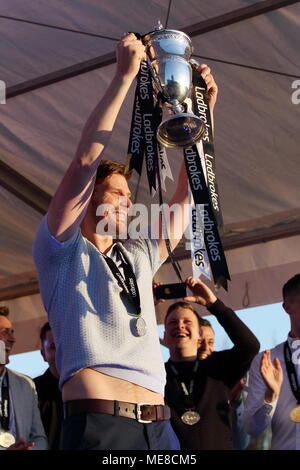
{"x":71,"y":199}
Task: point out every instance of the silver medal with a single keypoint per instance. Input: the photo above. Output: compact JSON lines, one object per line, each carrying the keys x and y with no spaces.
{"x":140,"y":326}
{"x":190,"y":417}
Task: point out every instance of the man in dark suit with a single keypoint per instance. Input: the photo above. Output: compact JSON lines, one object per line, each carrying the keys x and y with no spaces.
{"x":49,"y":394}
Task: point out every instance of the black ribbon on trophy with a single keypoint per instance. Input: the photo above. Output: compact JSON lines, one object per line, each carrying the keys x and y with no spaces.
{"x":201,"y":109}
{"x":205,"y":193}
{"x":211,"y":235}
{"x":142,"y":141}
{"x":136,"y":144}
{"x":169,"y":68}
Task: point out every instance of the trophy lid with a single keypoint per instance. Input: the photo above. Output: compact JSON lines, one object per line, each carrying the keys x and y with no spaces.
{"x":160,"y":33}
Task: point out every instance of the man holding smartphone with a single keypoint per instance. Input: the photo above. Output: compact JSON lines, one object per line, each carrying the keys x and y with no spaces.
{"x":197,"y":391}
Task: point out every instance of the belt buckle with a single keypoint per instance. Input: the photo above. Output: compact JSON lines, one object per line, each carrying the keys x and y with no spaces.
{"x":139,"y":413}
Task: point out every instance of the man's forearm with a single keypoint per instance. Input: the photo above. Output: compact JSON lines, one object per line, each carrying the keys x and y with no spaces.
{"x":98,"y":128}
{"x":181,"y":193}
{"x":73,"y":195}
{"x":246,"y":345}
{"x":177,"y":223}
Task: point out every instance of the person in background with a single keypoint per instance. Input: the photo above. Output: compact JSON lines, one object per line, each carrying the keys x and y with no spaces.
{"x":207,"y":339}
{"x":49,"y":394}
{"x":20,"y":422}
{"x":274,"y":382}
{"x":236,"y":395}
{"x":237,"y":398}
{"x":197,"y":391}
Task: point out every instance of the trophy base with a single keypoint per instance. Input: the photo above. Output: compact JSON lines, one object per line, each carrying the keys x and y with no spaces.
{"x":180,"y":130}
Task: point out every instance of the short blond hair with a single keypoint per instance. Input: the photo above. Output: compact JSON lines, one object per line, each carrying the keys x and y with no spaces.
{"x":110,"y":167}
{"x":181,"y":304}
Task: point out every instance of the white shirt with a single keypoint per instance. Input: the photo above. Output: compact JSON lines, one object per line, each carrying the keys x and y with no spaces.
{"x":12,"y":423}
{"x":259,"y":414}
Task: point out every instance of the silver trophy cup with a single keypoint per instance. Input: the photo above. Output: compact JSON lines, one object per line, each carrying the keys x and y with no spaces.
{"x":169,"y":53}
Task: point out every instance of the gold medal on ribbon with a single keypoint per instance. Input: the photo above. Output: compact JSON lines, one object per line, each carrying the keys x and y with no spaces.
{"x":6,"y":439}
{"x":295,"y":414}
{"x":190,"y":417}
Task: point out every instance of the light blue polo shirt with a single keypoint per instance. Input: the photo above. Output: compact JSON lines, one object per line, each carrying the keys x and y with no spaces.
{"x":88,"y":312}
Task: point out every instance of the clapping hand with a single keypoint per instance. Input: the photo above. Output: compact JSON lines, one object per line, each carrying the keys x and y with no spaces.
{"x":272,"y":375}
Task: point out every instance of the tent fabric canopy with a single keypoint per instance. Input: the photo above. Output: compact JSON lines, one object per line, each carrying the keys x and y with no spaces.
{"x":63,"y":54}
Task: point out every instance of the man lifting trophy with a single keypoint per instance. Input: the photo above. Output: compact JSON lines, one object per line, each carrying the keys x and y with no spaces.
{"x":114,"y":394}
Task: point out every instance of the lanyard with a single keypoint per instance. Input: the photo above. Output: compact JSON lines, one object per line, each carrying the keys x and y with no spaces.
{"x":187,"y":393}
{"x":4,"y":408}
{"x":128,"y":281}
{"x":291,"y":371}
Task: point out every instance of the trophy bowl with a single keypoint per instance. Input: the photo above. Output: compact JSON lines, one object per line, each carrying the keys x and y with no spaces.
{"x":169,"y":53}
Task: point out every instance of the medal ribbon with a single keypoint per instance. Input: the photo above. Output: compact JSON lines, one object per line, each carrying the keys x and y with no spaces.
{"x":188,"y":401}
{"x":4,"y":408}
{"x":291,"y":371}
{"x":128,"y":281}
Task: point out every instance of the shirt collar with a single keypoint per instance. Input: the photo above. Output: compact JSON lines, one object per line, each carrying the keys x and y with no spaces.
{"x":291,"y":340}
{"x":2,"y":376}
{"x":111,"y":252}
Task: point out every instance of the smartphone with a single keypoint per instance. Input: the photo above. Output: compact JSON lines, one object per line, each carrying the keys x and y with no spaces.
{"x":2,"y":352}
{"x":171,"y":291}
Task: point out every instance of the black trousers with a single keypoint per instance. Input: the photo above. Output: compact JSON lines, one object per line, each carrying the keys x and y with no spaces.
{"x":96,"y":431}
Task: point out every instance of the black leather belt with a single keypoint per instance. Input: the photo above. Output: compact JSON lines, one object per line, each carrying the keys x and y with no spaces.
{"x":141,"y":412}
